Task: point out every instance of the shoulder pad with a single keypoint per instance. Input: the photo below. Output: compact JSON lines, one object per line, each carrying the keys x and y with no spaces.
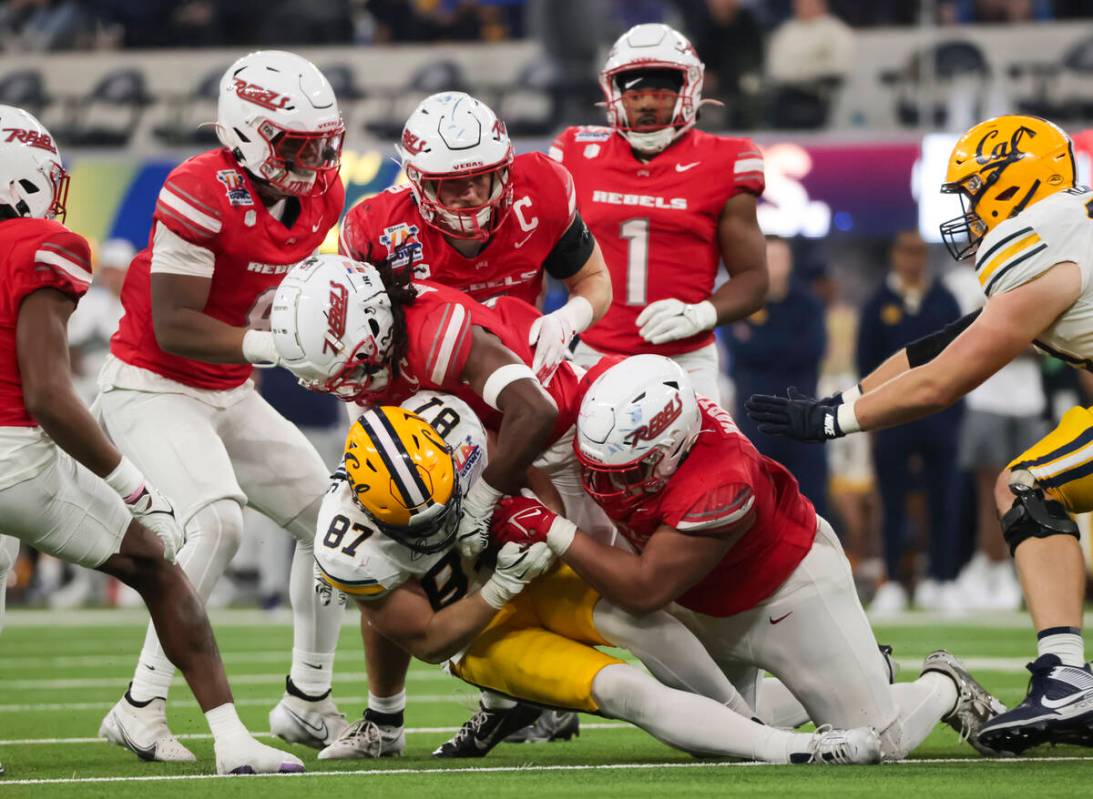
{"x":191,"y":202}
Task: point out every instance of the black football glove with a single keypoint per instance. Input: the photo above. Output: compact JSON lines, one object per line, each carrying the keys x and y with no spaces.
{"x":794,"y":416}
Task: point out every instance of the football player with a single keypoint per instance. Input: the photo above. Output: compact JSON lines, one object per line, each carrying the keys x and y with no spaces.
{"x":1029,"y":228}
{"x":387,"y":537}
{"x":667,"y":203}
{"x":724,"y":533}
{"x":475,"y":217}
{"x":64,"y":488}
{"x":176,"y":394}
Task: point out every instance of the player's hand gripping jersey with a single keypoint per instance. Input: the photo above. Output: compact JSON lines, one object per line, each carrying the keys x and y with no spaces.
{"x":354,"y":557}
{"x":655,"y":221}
{"x":389,"y":228}
{"x":210,"y":202}
{"x":34,"y":254}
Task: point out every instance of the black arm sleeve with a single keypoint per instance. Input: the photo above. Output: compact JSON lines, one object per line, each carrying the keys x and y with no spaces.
{"x":571,"y":252}
{"x":927,"y":348}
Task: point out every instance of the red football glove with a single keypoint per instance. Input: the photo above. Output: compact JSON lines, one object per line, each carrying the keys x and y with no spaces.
{"x":521,"y":520}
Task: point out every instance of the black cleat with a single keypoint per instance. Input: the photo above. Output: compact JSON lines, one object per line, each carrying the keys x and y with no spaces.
{"x":485,"y":729}
{"x":1057,"y":710}
{"x":552,"y":725}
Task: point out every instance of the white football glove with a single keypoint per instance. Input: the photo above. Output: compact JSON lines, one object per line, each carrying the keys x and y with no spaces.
{"x":517,"y":566}
{"x":474,"y":526}
{"x":670,"y":320}
{"x":260,"y":350}
{"x":551,"y":336}
{"x":148,"y":506}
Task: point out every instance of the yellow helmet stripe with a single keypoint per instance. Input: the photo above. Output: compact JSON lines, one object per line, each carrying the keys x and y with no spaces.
{"x":395,"y":457}
{"x":1019,"y":246}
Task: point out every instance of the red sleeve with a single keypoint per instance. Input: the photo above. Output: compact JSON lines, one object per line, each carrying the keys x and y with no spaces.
{"x":555,"y":195}
{"x":711,"y":508}
{"x":747,"y":168}
{"x":440,"y":343}
{"x":59,"y":260}
{"x":560,"y":145}
{"x":354,"y":240}
{"x":190,"y":205}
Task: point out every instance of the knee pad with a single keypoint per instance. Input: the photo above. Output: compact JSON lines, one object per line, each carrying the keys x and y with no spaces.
{"x":1033,"y":515}
{"x":218,"y":526}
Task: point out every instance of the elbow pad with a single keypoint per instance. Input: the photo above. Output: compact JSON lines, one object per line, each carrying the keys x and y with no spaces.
{"x":927,"y":348}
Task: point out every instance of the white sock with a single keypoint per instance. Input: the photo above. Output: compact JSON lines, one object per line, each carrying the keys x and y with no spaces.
{"x":315,"y":626}
{"x":154,"y":672}
{"x":396,"y":703}
{"x":1065,"y":642}
{"x":493,"y":701}
{"x":311,"y":671}
{"x":224,"y":722}
{"x":922,"y":704}
{"x":687,"y":721}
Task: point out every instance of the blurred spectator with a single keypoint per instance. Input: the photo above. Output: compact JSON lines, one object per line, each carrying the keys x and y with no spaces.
{"x":729,"y":41}
{"x":907,"y":306}
{"x":995,"y":11}
{"x":572,"y":33}
{"x":44,"y":25}
{"x":778,"y":346}
{"x":97,"y":314}
{"x":808,"y":58}
{"x":444,"y":20}
{"x":1005,"y":416}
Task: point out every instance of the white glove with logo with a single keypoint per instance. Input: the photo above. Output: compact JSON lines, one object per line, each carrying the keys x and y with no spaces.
{"x":474,"y":526}
{"x":670,"y":320}
{"x":516,"y":567}
{"x":148,"y":506}
{"x":551,"y":335}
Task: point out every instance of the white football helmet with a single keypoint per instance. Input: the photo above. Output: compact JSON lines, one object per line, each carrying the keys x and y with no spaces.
{"x":32,"y":180}
{"x":637,"y":422}
{"x":449,"y":136}
{"x":279,"y":116}
{"x":333,"y":327}
{"x":652,"y":46}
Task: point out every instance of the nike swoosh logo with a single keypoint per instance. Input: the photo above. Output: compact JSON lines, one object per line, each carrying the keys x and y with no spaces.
{"x":779,"y":619}
{"x":318,"y":731}
{"x":685,"y":167}
{"x":520,"y":244}
{"x":630,"y":83}
{"x":315,"y":227}
{"x":1055,"y":704}
{"x":143,"y":752}
{"x":314,"y":665}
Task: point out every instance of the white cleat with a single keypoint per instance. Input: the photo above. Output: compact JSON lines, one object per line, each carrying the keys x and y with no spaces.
{"x":366,"y":740}
{"x":859,"y":746}
{"x":974,"y":705}
{"x":314,"y":723}
{"x":143,"y":731}
{"x":244,"y":755}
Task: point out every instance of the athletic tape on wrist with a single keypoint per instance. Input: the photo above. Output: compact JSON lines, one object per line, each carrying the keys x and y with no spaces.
{"x":847,"y":418}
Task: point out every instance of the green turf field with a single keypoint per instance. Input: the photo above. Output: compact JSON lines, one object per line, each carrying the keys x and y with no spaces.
{"x":60,"y":672}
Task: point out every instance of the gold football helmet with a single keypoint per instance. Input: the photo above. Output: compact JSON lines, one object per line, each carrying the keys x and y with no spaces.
{"x":999,"y":168}
{"x":402,"y":475}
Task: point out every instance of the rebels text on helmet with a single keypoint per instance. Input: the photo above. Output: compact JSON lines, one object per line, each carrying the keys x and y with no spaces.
{"x":658,"y":424}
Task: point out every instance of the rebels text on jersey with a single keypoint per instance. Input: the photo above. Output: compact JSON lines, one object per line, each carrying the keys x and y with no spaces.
{"x":439,"y":324}
{"x":720,"y":482}
{"x":210,"y":202}
{"x":34,"y":254}
{"x":388,"y":227}
{"x":655,"y":221}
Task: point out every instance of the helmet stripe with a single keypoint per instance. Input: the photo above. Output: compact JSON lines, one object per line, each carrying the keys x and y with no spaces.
{"x":395,"y":458}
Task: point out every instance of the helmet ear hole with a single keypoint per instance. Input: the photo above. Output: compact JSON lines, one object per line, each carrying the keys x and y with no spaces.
{"x":1007,"y":194}
{"x":28,"y":187}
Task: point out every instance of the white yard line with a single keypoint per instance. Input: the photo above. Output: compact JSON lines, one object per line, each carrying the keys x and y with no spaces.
{"x":397,"y":772}
{"x":468,"y":696}
{"x":62,"y":684}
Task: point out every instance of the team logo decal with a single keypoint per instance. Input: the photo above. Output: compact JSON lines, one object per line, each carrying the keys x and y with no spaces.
{"x":658,"y":424}
{"x":335,"y":318}
{"x":31,"y":138}
{"x":404,"y":245}
{"x":236,"y":187}
{"x":591,"y":151}
{"x":266,"y":98}
{"x":592,"y":134}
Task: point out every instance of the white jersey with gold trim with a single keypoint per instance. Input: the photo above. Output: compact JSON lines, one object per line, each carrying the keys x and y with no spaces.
{"x":354,"y":557}
{"x":1056,"y":229}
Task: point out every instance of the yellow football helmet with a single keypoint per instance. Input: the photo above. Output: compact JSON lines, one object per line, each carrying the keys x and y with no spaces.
{"x":999,"y":168}
{"x":402,"y":475}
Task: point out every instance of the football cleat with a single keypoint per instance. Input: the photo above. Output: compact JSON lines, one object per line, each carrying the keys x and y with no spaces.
{"x":1,"y":769}
{"x":244,"y":755}
{"x":856,"y":747}
{"x":299,"y":719}
{"x":365,"y":739}
{"x":143,"y":731}
{"x":974,"y":706}
{"x":552,"y":725}
{"x":485,"y":729}
{"x":1058,"y":710}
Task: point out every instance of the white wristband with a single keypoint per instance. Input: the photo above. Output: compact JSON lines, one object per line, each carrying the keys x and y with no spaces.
{"x":852,"y":393}
{"x":561,"y":535}
{"x":502,"y":378}
{"x":578,"y":311}
{"x":258,"y":348}
{"x":126,"y":479}
{"x":848,"y":420}
{"x":495,"y":594}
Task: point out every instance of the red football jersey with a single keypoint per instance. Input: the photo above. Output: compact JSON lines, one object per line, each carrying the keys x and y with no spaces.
{"x":655,"y":221}
{"x":722,"y":479}
{"x":440,"y":322}
{"x":389,"y":227}
{"x":34,"y":254}
{"x":209,"y":201}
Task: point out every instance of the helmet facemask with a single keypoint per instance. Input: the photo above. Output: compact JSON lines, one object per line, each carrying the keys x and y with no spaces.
{"x":298,"y":161}
{"x":668,"y":109}
{"x":472,"y":222}
{"x":963,"y":233}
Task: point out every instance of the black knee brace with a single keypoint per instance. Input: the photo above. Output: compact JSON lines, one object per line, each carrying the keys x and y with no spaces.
{"x":1034,"y":516}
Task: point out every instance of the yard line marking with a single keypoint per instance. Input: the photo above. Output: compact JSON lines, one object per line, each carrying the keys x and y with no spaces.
{"x":204,"y":736}
{"x":395,"y":772}
{"x":61,"y":684}
{"x":469,"y":696}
